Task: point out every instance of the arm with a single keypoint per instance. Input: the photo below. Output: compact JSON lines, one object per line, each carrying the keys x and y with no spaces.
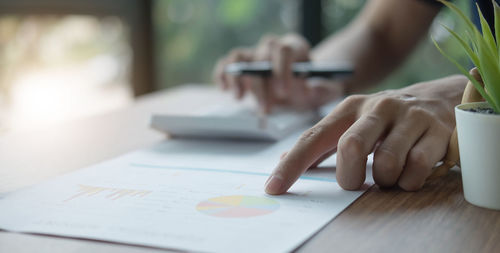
{"x":376,"y":42}
{"x":379,"y":39}
{"x":407,"y":129}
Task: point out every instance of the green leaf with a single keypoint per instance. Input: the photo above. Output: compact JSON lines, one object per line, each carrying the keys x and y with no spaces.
{"x":484,"y":52}
{"x":472,"y":55}
{"x":487,"y":34}
{"x":497,"y":23}
{"x":476,"y":84}
{"x":490,"y":69}
{"x":470,"y":26}
{"x":473,"y":43}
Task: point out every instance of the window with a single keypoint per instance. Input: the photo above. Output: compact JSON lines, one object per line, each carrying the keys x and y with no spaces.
{"x":192,"y":35}
{"x":66,"y":59}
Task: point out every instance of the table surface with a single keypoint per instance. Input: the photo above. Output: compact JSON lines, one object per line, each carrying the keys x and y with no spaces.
{"x":434,"y":219}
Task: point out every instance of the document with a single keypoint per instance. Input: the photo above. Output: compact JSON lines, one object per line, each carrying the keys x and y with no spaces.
{"x":186,"y":195}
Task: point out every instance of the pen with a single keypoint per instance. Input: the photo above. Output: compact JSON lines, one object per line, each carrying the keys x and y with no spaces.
{"x":299,"y":69}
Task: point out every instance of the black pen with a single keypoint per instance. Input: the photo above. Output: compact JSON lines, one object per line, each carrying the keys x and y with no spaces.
{"x":299,"y":69}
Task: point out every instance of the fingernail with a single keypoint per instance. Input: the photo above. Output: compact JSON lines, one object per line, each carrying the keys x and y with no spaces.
{"x":274,"y":184}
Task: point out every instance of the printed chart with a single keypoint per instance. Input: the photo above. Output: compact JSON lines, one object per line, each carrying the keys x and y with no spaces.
{"x":111,"y":193}
{"x":237,"y":206}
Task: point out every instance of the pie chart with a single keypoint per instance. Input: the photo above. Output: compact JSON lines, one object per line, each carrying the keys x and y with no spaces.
{"x":237,"y":206}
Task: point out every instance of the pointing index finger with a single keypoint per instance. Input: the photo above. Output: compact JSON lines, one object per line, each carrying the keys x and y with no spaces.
{"x":313,"y":143}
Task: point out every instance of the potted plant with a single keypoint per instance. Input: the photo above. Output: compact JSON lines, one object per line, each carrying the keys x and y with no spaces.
{"x":478,"y":123}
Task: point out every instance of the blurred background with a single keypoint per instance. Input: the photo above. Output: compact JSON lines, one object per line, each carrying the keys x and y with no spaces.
{"x":62,"y":60}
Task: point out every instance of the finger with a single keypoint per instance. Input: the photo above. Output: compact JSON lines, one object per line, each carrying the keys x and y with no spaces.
{"x":470,"y":93}
{"x":309,"y":148}
{"x":429,"y":150}
{"x":236,"y":81}
{"x":282,"y":59}
{"x":319,"y":161}
{"x":291,"y":48}
{"x":390,"y":155}
{"x":361,"y":138}
{"x":298,"y":98}
{"x":266,"y":40}
{"x":219,"y":74}
{"x":354,"y":147}
{"x":300,"y":94}
{"x":261,"y":87}
{"x":237,"y":85}
{"x":299,"y":45}
{"x":475,"y":73}
{"x":323,"y":158}
{"x":283,"y":155}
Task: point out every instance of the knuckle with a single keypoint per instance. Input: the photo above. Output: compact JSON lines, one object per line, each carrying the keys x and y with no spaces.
{"x":382,"y":93}
{"x":442,"y":129}
{"x":267,"y":42}
{"x":387,"y":103}
{"x":295,"y":39}
{"x":351,"y":145}
{"x":418,"y":160}
{"x":374,"y":119}
{"x":241,"y":52}
{"x":386,"y":160}
{"x":311,"y":134}
{"x":353,"y":100}
{"x":284,"y":49}
{"x":387,"y":167}
{"x":417,"y":166}
{"x":300,"y":47}
{"x":418,"y":113}
{"x":268,"y":38}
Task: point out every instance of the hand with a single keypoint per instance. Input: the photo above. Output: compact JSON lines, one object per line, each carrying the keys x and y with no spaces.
{"x":408,"y":130}
{"x":282,"y":87}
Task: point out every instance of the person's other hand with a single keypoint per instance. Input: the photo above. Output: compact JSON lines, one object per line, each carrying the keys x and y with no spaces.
{"x":408,"y":130}
{"x":282,"y":87}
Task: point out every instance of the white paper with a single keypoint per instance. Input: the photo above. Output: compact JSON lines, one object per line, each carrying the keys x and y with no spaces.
{"x":182,"y":195}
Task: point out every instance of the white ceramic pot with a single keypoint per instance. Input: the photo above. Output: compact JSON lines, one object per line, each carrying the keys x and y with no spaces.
{"x":479,"y":145}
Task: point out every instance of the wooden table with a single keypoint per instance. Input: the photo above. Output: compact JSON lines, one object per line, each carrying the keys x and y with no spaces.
{"x":435,"y":219}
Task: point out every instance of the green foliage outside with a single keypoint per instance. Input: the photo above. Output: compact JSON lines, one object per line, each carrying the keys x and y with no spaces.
{"x":193,"y":34}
